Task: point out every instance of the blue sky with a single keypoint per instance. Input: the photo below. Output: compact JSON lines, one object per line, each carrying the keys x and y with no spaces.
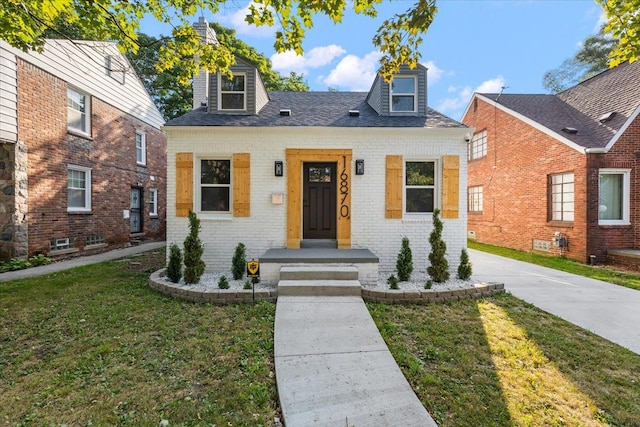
{"x":479,"y":45}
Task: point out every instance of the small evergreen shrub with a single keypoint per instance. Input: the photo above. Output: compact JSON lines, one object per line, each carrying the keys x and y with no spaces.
{"x":174,"y":268}
{"x":439,"y":266}
{"x":464,"y":269}
{"x":193,"y":264}
{"x":247,"y":285}
{"x":429,"y":284}
{"x":404,"y":263}
{"x":393,"y":282}
{"x":239,"y":262}
{"x":223,"y":283}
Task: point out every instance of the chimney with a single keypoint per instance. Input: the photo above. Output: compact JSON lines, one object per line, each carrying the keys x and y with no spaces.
{"x":201,"y":81}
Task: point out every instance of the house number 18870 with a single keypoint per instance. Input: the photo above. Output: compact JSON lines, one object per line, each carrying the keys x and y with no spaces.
{"x":344,"y":189}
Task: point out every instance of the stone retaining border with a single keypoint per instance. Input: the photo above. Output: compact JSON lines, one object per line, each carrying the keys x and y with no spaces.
{"x":389,"y":296}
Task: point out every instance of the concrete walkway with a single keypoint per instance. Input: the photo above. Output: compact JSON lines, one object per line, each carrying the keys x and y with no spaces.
{"x":81,"y":260}
{"x":334,"y":369}
{"x":610,"y":311}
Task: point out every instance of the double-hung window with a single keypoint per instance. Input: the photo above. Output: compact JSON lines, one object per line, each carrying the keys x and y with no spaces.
{"x":478,"y":146}
{"x":403,"y":94}
{"x":215,"y":185}
{"x":78,"y":111}
{"x":233,"y":92}
{"x":475,"y":199}
{"x":153,"y":202}
{"x":78,"y":189}
{"x":420,"y":183}
{"x":613,"y":206}
{"x":141,"y":148}
{"x":561,"y":193}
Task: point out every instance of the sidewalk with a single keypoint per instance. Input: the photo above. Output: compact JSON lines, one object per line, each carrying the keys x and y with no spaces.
{"x":334,"y":369}
{"x":610,"y":311}
{"x":79,"y":261}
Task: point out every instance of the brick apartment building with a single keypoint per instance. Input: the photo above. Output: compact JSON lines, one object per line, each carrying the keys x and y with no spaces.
{"x":82,"y":156}
{"x":558,"y":174}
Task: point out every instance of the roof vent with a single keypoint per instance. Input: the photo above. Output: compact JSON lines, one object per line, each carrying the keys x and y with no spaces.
{"x":285,"y":112}
{"x":354,"y":113}
{"x":606,"y":117}
{"x":572,"y":131}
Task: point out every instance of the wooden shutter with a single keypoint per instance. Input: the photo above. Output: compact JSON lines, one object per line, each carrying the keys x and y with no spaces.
{"x":393,"y":208}
{"x":184,"y":184}
{"x":450,"y":186}
{"x":241,"y":184}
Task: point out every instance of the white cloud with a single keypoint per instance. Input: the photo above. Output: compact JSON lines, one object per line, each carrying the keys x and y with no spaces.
{"x":434,"y":74}
{"x":455,"y":104}
{"x":237,"y":22}
{"x":353,"y":73}
{"x":315,"y":58}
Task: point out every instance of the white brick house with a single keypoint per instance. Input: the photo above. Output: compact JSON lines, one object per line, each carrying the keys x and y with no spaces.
{"x":224,"y":160}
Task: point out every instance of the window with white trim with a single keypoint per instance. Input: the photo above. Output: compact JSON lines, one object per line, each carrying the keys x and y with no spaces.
{"x":78,"y":189}
{"x":215,"y":185}
{"x":561,"y":192}
{"x":403,"y":94}
{"x":420,"y":184}
{"x":153,"y":202}
{"x":141,"y":148}
{"x":614,"y":196}
{"x":233,"y":92}
{"x":78,"y":111}
{"x":475,"y":199}
{"x":478,"y":146}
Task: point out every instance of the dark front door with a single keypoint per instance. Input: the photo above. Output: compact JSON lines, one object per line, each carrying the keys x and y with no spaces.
{"x":135,"y":216}
{"x":319,"y":203}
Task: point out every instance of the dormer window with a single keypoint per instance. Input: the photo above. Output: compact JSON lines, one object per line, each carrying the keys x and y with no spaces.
{"x":403,"y":94}
{"x":233,"y":93}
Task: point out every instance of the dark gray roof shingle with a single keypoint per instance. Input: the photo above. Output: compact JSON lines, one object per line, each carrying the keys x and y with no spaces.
{"x":319,"y":109}
{"x":615,"y":90}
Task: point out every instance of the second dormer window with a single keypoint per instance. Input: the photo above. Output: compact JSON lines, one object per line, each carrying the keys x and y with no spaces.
{"x":403,"y":94}
{"x":233,"y":93}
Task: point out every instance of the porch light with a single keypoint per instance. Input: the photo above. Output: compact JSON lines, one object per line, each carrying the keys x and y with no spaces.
{"x":278,"y":168}
{"x":360,"y":167}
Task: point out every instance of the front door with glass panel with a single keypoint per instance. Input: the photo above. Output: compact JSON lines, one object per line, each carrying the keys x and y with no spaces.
{"x":135,"y":215}
{"x":319,"y":202}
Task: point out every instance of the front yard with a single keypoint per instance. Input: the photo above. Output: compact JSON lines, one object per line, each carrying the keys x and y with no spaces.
{"x":95,"y":346}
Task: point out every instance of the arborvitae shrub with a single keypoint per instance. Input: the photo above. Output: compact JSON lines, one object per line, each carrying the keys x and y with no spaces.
{"x":393,"y":282}
{"x":239,"y":262}
{"x":439,"y":266}
{"x":404,"y":263}
{"x":194,"y":266}
{"x":223,"y":283}
{"x":464,"y":269}
{"x":247,"y":284}
{"x":174,"y":269}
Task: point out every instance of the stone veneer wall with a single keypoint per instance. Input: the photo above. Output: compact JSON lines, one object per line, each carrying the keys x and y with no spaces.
{"x":13,"y":201}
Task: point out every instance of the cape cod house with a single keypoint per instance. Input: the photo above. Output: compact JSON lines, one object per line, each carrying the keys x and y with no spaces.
{"x":289,"y":170}
{"x":82,"y":156}
{"x":558,"y":174}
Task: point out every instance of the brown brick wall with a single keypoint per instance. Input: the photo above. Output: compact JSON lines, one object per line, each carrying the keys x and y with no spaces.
{"x":110,"y":153}
{"x":514,"y":178}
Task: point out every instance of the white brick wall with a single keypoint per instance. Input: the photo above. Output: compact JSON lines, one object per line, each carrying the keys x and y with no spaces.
{"x":266,"y":227}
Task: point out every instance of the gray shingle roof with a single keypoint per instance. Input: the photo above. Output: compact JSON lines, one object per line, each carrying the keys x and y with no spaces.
{"x":320,"y":109}
{"x":615,"y":90}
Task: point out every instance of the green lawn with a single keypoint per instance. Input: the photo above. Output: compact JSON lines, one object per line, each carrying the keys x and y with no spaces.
{"x":95,"y":346}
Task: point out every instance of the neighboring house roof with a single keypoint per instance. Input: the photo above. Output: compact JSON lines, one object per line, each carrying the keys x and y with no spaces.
{"x":318,"y":109}
{"x":582,"y":107}
{"x":83,"y":65}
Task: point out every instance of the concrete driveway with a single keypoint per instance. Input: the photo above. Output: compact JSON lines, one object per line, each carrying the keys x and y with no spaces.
{"x":611,"y":311}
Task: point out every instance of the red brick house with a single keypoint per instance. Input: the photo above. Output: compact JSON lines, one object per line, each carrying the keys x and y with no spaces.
{"x":82,"y":156}
{"x":558,"y":174}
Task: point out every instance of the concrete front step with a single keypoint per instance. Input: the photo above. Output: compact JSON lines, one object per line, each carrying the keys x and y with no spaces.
{"x":318,"y":272}
{"x":319,"y":288}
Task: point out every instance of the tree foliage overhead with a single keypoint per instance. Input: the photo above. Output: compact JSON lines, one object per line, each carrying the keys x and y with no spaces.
{"x":623,"y":24}
{"x":24,"y":22}
{"x":591,"y":59}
